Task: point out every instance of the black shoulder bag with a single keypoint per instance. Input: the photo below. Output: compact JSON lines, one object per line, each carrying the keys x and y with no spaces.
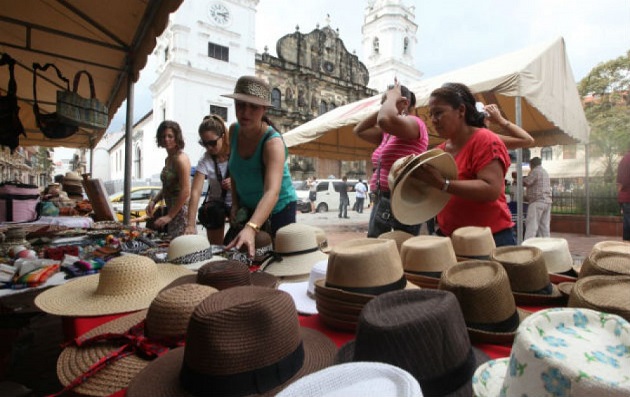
{"x":213,"y":211}
{"x":10,"y":125}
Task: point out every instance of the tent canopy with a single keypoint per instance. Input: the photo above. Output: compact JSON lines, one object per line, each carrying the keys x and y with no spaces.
{"x":110,"y":39}
{"x":551,"y":110}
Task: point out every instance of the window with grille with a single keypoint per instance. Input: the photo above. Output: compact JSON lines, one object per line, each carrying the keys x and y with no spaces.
{"x":218,"y":52}
{"x":220,"y":111}
{"x":276,"y":98}
{"x":546,"y":154}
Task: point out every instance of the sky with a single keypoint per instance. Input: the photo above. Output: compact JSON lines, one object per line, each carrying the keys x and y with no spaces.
{"x":451,"y":33}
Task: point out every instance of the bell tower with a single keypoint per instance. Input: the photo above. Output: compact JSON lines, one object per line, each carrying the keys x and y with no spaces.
{"x":390,"y":43}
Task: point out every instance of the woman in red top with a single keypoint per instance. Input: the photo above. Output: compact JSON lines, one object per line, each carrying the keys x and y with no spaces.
{"x":478,"y":194}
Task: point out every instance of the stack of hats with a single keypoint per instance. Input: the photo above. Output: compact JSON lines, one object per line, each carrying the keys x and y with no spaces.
{"x":473,"y":242}
{"x":73,"y":186}
{"x":424,"y":258}
{"x":303,"y":293}
{"x":557,"y":256}
{"x":358,"y":270}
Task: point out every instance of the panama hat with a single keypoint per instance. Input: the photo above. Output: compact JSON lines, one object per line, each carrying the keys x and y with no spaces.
{"x":251,"y":89}
{"x":422,"y":332}
{"x":528,"y":275}
{"x":190,"y":251}
{"x":240,"y":341}
{"x":474,"y":242}
{"x":413,"y":201}
{"x":557,"y":257}
{"x":125,"y":284}
{"x":404,"y":164}
{"x":562,"y":352}
{"x":621,"y":247}
{"x":163,"y":326}
{"x":399,"y":237}
{"x":424,"y":258}
{"x":610,"y":294}
{"x":263,"y":249}
{"x":604,"y":263}
{"x":227,"y":273}
{"x":295,"y":252}
{"x":322,"y":239}
{"x":366,"y":379}
{"x":303,"y":293}
{"x":485,"y":297}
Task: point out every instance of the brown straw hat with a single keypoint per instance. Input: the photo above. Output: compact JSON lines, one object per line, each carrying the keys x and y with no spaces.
{"x":610,"y":294}
{"x":483,"y":291}
{"x":241,"y":341}
{"x":473,"y":242}
{"x":621,"y":247}
{"x":528,"y":275}
{"x":600,"y":262}
{"x":422,"y":332}
{"x":403,"y":165}
{"x":166,"y":323}
{"x":424,"y":258}
{"x":557,"y":256}
{"x":399,"y":237}
{"x":126,"y":283}
{"x":252,"y":89}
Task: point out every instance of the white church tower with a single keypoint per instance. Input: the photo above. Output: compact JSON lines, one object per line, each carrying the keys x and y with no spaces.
{"x":389,"y":43}
{"x":206,"y":47}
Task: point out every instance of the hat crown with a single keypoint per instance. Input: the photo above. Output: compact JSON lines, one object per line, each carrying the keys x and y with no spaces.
{"x":427,"y":254}
{"x":295,"y":238}
{"x":399,"y":237}
{"x":250,"y":85}
{"x":610,"y":294}
{"x":185,"y":245}
{"x":525,"y":267}
{"x":125,"y":274}
{"x":473,"y":241}
{"x":224,"y":274}
{"x":555,"y":250}
{"x":605,"y":263}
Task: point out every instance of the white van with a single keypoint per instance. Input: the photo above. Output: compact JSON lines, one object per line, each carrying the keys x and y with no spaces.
{"x":328,"y":195}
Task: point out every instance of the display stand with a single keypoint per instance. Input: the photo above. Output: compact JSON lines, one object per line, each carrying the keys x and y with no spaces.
{"x":95,"y":190}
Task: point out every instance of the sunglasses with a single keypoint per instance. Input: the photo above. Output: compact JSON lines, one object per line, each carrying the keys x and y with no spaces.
{"x":209,"y":143}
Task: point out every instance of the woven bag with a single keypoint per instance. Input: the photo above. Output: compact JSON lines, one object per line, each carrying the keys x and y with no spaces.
{"x":49,"y":123}
{"x":82,"y":112}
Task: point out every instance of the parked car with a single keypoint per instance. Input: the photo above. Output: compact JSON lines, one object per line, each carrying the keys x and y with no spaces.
{"x":139,"y":199}
{"x":328,"y":196}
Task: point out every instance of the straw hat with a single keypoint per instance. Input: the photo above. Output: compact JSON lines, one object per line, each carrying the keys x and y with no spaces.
{"x":190,"y":251}
{"x":413,"y":201}
{"x":562,"y":352}
{"x":358,"y":270}
{"x":125,"y":284}
{"x":322,"y":239}
{"x":240,"y":341}
{"x":166,"y":322}
{"x":422,"y":332}
{"x":556,"y":253}
{"x":621,"y":247}
{"x":303,"y":293}
{"x":528,"y":275}
{"x":600,"y":262}
{"x":424,"y":258}
{"x":252,"y":89}
{"x":399,"y":237}
{"x":295,"y":252}
{"x":403,"y":165}
{"x":366,"y":379}
{"x":72,"y":176}
{"x":610,"y":294}
{"x":474,"y":242}
{"x":483,"y":291}
{"x":227,"y":273}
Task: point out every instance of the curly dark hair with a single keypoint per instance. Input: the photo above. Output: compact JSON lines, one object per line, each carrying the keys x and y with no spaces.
{"x":177,"y":131}
{"x":216,"y":124}
{"x":456,"y":94}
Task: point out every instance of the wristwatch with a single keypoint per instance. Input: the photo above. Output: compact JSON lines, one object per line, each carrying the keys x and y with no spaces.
{"x":253,"y":226}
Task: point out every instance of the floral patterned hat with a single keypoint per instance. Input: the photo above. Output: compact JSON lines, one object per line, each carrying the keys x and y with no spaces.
{"x":562,"y":352}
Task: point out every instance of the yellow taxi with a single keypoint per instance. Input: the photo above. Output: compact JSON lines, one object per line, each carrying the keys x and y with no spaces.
{"x":139,"y":199}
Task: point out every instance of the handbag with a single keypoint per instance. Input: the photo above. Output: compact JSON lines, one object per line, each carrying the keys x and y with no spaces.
{"x":49,"y":123}
{"x":10,"y":125}
{"x":213,"y":212}
{"x":83,"y":112}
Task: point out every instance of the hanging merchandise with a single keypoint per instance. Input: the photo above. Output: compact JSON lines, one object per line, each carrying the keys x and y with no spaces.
{"x":10,"y":125}
{"x":83,"y":112}
{"x":49,"y":123}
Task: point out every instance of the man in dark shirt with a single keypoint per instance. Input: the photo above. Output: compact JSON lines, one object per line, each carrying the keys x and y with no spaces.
{"x":344,"y":200}
{"x":623,"y":189}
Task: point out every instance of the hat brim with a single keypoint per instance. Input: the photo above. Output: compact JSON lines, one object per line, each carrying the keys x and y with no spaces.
{"x":196,"y":265}
{"x":161,"y":376}
{"x":298,"y":291}
{"x":395,"y":179}
{"x":338,"y":324}
{"x":557,"y":278}
{"x":566,"y":288}
{"x":528,"y":299}
{"x":414,"y":201}
{"x":296,"y":265}
{"x":488,"y":378}
{"x":347,"y":296}
{"x":496,"y":338}
{"x":423,"y":281}
{"x":249,"y":99}
{"x":259,"y":279}
{"x":79,"y":298}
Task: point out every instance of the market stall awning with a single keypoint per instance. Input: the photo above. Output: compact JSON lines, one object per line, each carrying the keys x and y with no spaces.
{"x":541,"y":76}
{"x":111,"y":39}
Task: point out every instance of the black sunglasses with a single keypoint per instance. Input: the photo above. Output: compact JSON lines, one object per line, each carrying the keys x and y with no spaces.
{"x":209,"y":143}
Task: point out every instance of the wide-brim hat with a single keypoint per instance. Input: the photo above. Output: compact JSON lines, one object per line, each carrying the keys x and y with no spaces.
{"x":610,"y":294}
{"x":399,"y":237}
{"x":356,"y":379}
{"x":227,"y":273}
{"x":295,"y":252}
{"x":413,"y":201}
{"x":600,"y":263}
{"x":166,"y":318}
{"x":404,"y":164}
{"x":556,"y":253}
{"x":475,"y":242}
{"x":322,"y":239}
{"x":232,"y":335}
{"x":251,"y":89}
{"x":424,"y":258}
{"x":303,"y":293}
{"x":562,"y":352}
{"x":485,"y":297}
{"x":528,"y":275}
{"x":191,"y":251}
{"x":422,"y":332}
{"x":124,"y":284}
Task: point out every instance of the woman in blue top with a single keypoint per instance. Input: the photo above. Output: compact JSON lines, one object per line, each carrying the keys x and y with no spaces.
{"x":261,"y":182}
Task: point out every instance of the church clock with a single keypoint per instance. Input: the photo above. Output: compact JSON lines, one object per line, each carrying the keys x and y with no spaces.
{"x":219,"y":13}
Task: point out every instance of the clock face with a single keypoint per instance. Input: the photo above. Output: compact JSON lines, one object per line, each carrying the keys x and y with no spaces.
{"x":219,"y":13}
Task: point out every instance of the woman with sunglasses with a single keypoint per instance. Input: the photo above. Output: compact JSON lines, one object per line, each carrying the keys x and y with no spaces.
{"x":262,"y":189}
{"x":213,"y":167}
{"x":175,"y":178}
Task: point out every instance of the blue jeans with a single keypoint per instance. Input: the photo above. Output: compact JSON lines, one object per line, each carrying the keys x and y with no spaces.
{"x":625,"y":208}
{"x":382,"y":220}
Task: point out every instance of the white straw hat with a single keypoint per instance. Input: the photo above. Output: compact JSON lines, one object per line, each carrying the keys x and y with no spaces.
{"x":303,"y":293}
{"x":473,"y":242}
{"x":191,"y":251}
{"x":556,"y":252}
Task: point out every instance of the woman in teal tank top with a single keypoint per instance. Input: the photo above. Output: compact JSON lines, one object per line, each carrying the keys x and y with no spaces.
{"x":258,"y":165}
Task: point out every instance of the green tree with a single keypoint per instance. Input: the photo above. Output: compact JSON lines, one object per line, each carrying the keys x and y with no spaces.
{"x":608,"y":112}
